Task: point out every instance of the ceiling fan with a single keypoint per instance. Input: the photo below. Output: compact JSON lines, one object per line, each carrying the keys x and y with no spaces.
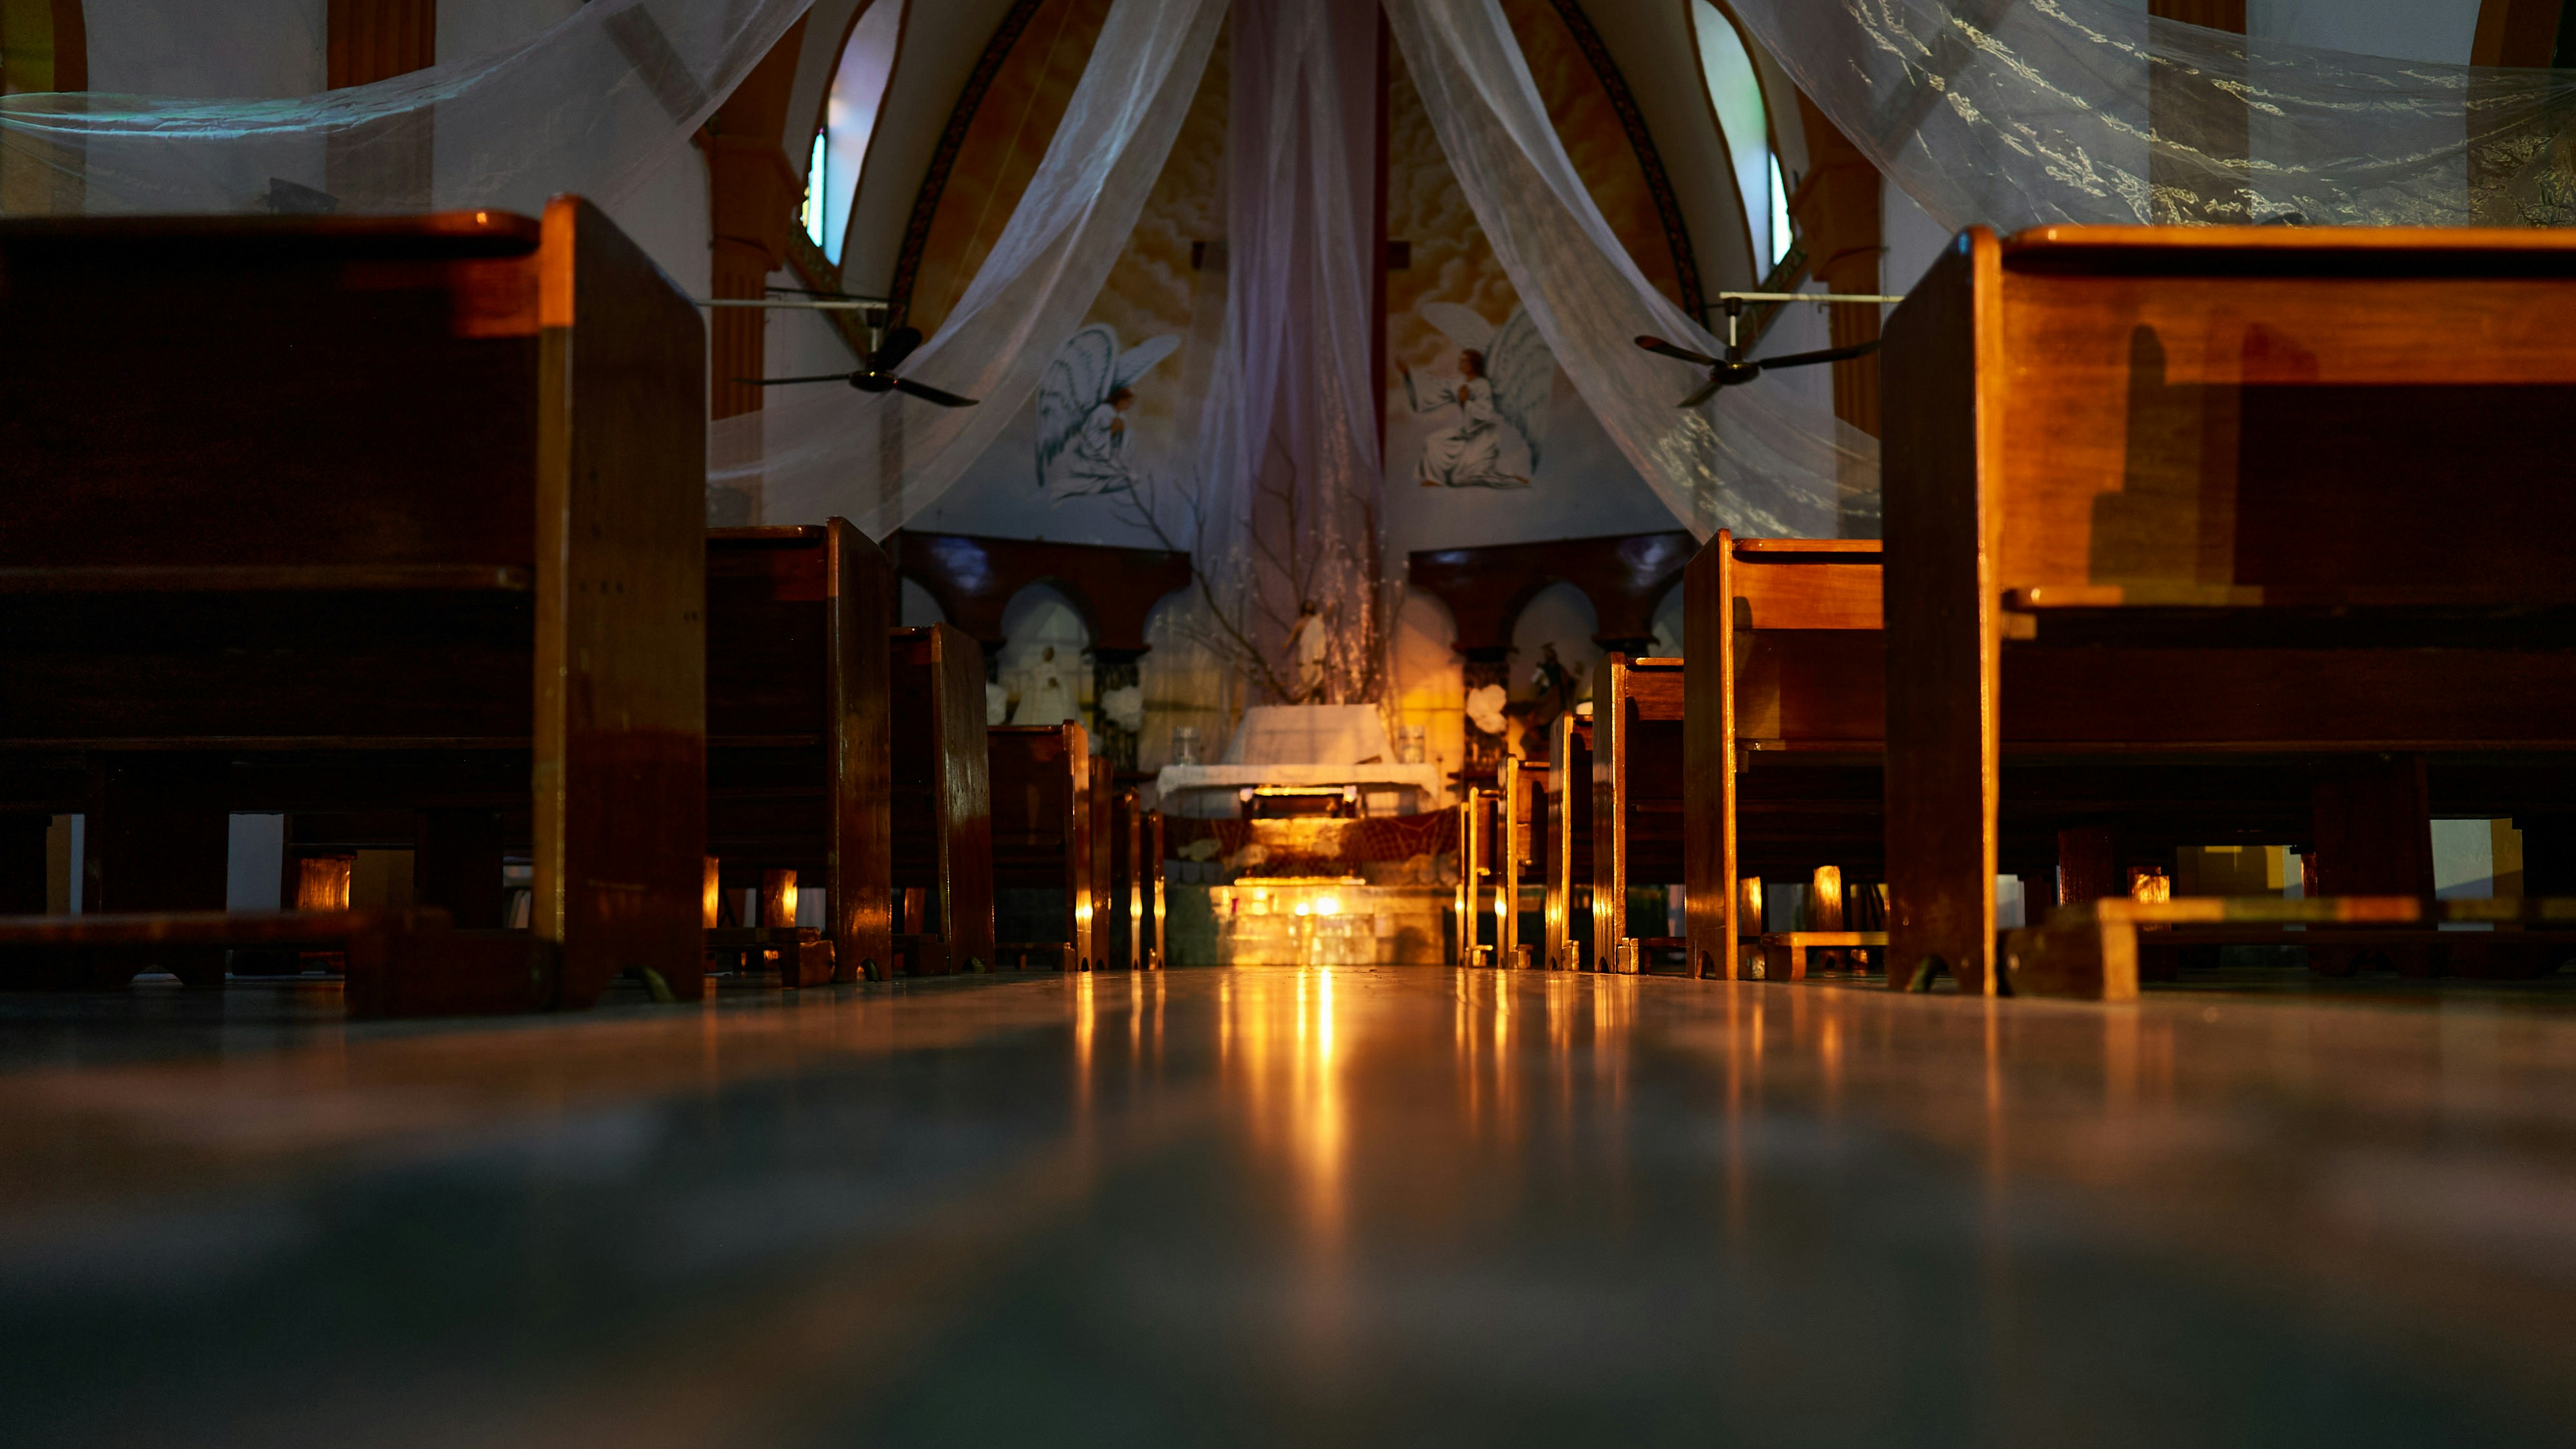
{"x":1732,"y":370}
{"x":878,"y":375}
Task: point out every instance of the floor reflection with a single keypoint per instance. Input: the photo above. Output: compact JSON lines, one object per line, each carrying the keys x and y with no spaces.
{"x":1282,"y":1204}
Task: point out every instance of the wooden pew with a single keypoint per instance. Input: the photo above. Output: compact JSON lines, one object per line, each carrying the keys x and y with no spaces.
{"x":1471,"y":945}
{"x":2096,"y":949}
{"x":1153,"y":852}
{"x":399,"y":963}
{"x":798,"y":743}
{"x":1520,"y":864}
{"x":1108,"y":911}
{"x":350,"y":500}
{"x":941,"y":803}
{"x":1130,"y":925}
{"x":1785,"y":757}
{"x":1636,"y":801}
{"x":1569,"y":847}
{"x":1502,"y":834}
{"x":1042,"y":841}
{"x":1784,"y":691}
{"x":2217,"y":493}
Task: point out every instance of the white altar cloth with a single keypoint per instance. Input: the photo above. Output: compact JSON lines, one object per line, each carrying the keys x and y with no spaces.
{"x":1309,"y":734}
{"x":1178,"y":779}
{"x":1306,"y":746}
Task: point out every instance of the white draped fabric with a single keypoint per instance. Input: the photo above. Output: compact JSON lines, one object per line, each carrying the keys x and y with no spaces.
{"x":592,"y":105}
{"x":878,"y":459}
{"x":1752,"y":459}
{"x":2015,"y":113}
{"x":2007,"y":112}
{"x":1288,"y":471}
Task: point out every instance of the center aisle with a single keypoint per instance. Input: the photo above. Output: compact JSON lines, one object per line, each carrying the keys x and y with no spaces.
{"x":1275,"y":1206}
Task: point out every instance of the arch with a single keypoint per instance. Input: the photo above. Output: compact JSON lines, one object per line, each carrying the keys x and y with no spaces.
{"x":1485,"y":589}
{"x":52,"y":53}
{"x":1650,"y":160}
{"x":1045,"y":635}
{"x":974,"y":578}
{"x":1045,"y":603}
{"x":1559,"y":613}
{"x":845,"y":121}
{"x":919,"y":607}
{"x":1671,"y":638}
{"x":935,"y":264}
{"x":1747,"y":124}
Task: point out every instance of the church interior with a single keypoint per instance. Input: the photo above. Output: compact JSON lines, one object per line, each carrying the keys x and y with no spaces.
{"x":1280,"y":721}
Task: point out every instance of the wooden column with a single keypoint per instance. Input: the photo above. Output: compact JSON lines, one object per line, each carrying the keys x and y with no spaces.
{"x":46,"y":48}
{"x":2190,"y":193}
{"x":1836,"y":206}
{"x":372,"y":40}
{"x":752,"y":193}
{"x":2517,"y":33}
{"x":386,"y":165}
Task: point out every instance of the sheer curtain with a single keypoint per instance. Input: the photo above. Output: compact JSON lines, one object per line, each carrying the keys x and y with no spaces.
{"x":877,"y":459}
{"x":592,"y":105}
{"x":1288,"y":479}
{"x":1752,"y":459}
{"x":2015,"y":113}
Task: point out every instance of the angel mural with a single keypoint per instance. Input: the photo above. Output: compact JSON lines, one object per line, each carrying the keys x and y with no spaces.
{"x":1082,"y":405}
{"x":1503,"y":380}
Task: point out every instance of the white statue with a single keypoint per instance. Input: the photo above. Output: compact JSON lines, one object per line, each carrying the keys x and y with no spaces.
{"x":1307,"y":644}
{"x":997,"y":704}
{"x":1082,"y":412}
{"x":1046,"y":695}
{"x":1485,"y":708}
{"x":1503,"y":382}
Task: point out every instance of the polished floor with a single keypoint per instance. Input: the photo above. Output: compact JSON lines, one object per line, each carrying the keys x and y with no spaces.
{"x":1388,"y":1206}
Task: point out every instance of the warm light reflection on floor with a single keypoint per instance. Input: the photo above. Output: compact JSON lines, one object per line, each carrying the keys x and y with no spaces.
{"x":1292,"y":1200}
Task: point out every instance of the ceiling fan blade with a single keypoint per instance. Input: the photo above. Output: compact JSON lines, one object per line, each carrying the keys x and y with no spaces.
{"x":927,"y":393}
{"x":1707,"y":390}
{"x":784,"y":381}
{"x":1830,"y":354}
{"x":1659,"y":345}
{"x":897,"y":346}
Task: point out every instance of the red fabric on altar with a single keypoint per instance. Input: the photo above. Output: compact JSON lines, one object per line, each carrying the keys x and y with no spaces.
{"x":1319,"y":843}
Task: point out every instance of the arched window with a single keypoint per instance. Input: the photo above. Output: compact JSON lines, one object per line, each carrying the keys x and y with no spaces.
{"x":840,"y":146}
{"x":1735,"y":93}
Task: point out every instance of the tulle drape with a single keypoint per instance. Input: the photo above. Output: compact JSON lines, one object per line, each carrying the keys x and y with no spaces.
{"x":877,"y":459}
{"x":1288,"y":476}
{"x":592,"y":105}
{"x":2015,"y":113}
{"x":2006,"y":112}
{"x":1753,"y":459}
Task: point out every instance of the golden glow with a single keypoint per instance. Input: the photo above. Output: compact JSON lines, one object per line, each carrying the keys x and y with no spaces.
{"x":1314,"y":921}
{"x":1086,"y":1023}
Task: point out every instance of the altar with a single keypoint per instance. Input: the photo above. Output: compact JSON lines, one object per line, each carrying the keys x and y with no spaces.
{"x":1310,"y":746}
